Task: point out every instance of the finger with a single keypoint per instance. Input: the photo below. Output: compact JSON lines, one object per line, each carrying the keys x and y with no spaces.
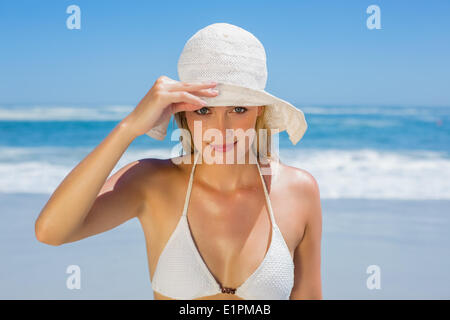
{"x":206,"y":92}
{"x":183,"y":96}
{"x":190,"y":86}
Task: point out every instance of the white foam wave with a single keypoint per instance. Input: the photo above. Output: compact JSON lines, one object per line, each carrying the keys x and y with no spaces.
{"x":369,"y":174}
{"x":374,"y":174}
{"x":117,"y":112}
{"x":63,"y":113}
{"x":374,"y":110}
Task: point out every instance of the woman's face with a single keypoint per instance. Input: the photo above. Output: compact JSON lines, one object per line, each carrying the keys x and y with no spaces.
{"x":209,"y":125}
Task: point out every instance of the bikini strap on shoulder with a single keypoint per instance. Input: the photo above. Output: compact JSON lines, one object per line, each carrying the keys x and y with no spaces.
{"x":188,"y":192}
{"x":266,"y":194}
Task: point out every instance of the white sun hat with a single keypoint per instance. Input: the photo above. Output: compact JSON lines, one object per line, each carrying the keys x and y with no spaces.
{"x":236,"y":60}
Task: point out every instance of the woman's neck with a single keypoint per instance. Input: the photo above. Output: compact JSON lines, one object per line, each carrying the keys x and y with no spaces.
{"x":226,"y":176}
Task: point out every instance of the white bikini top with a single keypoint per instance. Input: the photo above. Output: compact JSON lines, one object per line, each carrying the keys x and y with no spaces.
{"x":181,"y":272}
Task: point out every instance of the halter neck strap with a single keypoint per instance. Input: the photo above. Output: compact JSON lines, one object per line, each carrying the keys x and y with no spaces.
{"x":191,"y":178}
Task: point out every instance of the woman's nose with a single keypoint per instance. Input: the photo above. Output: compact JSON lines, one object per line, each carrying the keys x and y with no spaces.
{"x":223,"y":125}
{"x":222,"y":120}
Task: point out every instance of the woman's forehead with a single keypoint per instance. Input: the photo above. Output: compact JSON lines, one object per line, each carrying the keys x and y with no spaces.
{"x":234,"y":106}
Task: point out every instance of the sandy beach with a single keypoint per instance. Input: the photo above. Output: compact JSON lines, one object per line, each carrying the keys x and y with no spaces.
{"x":408,"y":240}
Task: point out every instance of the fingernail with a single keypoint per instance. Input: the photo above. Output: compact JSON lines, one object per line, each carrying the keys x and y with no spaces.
{"x":214,"y":90}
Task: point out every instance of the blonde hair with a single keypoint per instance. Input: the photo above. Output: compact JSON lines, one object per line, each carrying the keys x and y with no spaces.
{"x":262,"y":147}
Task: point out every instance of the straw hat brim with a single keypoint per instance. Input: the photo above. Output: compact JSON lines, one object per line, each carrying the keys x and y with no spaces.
{"x":279,"y":114}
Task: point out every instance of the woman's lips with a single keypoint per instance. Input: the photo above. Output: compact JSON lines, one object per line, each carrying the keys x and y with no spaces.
{"x":223,"y":147}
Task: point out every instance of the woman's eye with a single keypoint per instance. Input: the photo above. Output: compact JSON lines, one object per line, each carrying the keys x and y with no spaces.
{"x":202,"y":111}
{"x":240,"y":109}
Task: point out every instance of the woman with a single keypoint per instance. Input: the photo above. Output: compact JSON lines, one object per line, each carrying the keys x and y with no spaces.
{"x":233,"y":233}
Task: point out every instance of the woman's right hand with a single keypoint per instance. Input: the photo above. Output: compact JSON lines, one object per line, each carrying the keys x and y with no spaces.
{"x":166,"y":97}
{"x":87,"y":202}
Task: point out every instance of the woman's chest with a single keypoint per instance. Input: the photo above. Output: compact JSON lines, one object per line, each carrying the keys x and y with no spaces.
{"x":231,"y":232}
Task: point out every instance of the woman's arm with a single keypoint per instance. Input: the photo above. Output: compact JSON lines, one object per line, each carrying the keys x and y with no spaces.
{"x":78,"y":194}
{"x":83,"y":204}
{"x":307,"y":256}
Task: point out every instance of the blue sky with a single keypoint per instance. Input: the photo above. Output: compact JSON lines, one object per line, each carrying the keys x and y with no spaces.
{"x":318,"y":52}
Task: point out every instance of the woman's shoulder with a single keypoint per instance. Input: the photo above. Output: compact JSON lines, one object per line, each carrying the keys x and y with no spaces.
{"x":298,"y":183}
{"x":162,"y":174}
{"x":167,"y":165}
{"x":295,"y":177}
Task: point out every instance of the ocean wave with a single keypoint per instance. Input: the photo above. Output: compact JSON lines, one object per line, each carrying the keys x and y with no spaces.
{"x":64,"y":113}
{"x":376,"y":110}
{"x":117,"y":112}
{"x":365,"y":173}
